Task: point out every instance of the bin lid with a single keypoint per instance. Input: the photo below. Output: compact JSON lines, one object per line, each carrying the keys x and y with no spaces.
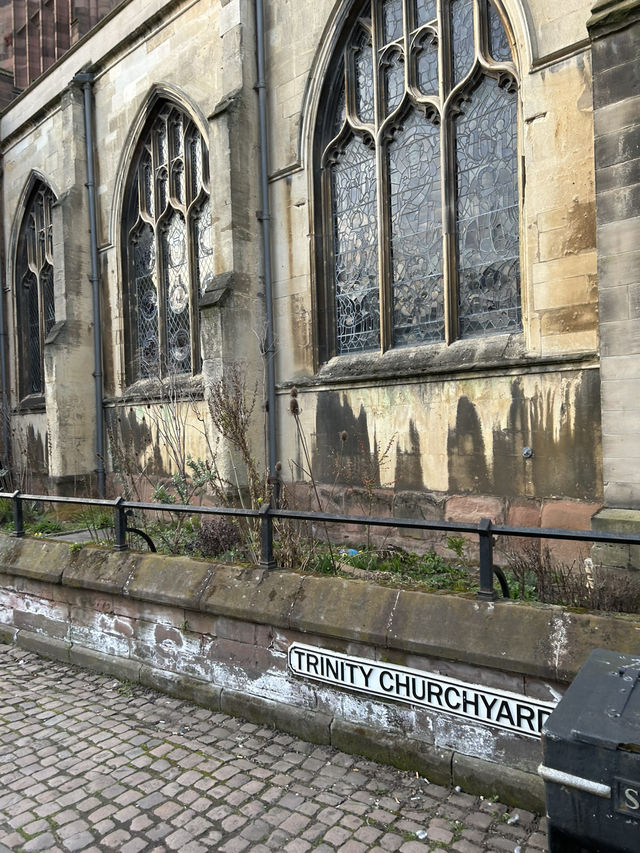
{"x":602,"y":705}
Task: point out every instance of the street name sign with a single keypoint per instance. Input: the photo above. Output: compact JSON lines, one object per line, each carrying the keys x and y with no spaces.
{"x":486,"y":705}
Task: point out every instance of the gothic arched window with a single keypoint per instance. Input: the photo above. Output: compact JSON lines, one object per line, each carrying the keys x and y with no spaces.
{"x":418,"y":177}
{"x":34,"y":287}
{"x":169,"y":257}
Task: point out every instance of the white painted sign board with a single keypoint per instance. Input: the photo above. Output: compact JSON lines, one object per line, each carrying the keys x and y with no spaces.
{"x":499,"y":708}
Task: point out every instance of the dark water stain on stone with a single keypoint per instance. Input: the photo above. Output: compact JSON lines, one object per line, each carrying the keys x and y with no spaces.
{"x":37,"y":451}
{"x":565,"y":440}
{"x":134,"y":438}
{"x":408,"y":472}
{"x":346,"y":461}
{"x":467,"y":457}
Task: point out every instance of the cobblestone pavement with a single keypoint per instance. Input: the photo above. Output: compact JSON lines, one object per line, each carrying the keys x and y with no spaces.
{"x":88,"y":763}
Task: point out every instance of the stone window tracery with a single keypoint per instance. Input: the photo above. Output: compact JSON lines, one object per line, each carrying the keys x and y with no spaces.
{"x":34,"y":288}
{"x":168,"y":244}
{"x":418,"y":178}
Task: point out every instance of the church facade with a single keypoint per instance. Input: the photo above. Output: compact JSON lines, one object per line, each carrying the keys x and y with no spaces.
{"x":454,"y":264}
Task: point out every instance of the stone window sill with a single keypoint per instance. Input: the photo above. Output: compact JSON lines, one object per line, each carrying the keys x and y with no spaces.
{"x":498,"y":353}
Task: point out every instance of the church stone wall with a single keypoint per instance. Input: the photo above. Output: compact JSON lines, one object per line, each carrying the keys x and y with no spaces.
{"x":462,"y":413}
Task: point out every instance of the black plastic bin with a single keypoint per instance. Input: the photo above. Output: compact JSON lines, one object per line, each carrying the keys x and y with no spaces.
{"x":591,"y":759}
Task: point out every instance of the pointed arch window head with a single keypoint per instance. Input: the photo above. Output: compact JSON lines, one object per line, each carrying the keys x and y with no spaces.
{"x":34,"y":287}
{"x":169,"y":255}
{"x":418,"y":177}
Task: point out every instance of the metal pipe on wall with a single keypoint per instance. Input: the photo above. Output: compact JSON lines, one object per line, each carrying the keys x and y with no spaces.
{"x":85,"y":80}
{"x":265,"y":216}
{"x":4,"y":411}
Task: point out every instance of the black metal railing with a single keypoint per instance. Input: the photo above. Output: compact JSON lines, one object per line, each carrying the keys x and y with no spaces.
{"x":485,"y":530}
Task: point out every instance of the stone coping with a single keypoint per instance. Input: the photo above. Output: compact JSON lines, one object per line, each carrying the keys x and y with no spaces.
{"x":540,"y":641}
{"x":610,"y":15}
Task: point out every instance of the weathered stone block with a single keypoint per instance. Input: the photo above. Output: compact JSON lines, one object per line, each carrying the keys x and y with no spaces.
{"x":170,"y":659}
{"x":308,"y":725}
{"x":493,"y":632}
{"x":98,"y":569}
{"x":101,"y":661}
{"x":200,"y":623}
{"x":620,"y":337}
{"x":476,"y":776}
{"x":169,"y":581}
{"x":612,"y":520}
{"x":620,"y":82}
{"x":31,"y":558}
{"x":40,"y":623}
{"x":421,"y":506}
{"x":323,"y":603}
{"x":614,"y":304}
{"x":568,"y":515}
{"x":620,"y":175}
{"x":615,"y":205}
{"x":104,"y":622}
{"x":392,"y":748}
{"x":622,"y":521}
{"x":570,"y":320}
{"x":181,"y":686}
{"x":144,"y":611}
{"x":231,"y":653}
{"x":612,"y":556}
{"x":616,"y":270}
{"x":543,"y":689}
{"x":47,"y":647}
{"x":610,"y":20}
{"x":92,"y":638}
{"x":634,"y":307}
{"x":252,"y":594}
{"x":523,"y":513}
{"x":471,"y":509}
{"x":237,"y":630}
{"x":617,"y":147}
{"x":622,"y":495}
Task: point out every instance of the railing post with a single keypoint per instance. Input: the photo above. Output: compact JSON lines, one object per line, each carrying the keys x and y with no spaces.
{"x":120,"y":525}
{"x":18,"y":518}
{"x":274,"y":482}
{"x":267,"y":560}
{"x":486,"y":591}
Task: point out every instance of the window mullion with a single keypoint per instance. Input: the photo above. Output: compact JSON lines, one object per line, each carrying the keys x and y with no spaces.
{"x":382,"y":183}
{"x":41,"y":239}
{"x":193,"y":283}
{"x":384,"y":250}
{"x":161,"y":290}
{"x":192,"y":264}
{"x":448,"y":172}
{"x":328,"y":317}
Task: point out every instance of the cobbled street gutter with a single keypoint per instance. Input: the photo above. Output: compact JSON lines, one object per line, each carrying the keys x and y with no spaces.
{"x":219,"y":636}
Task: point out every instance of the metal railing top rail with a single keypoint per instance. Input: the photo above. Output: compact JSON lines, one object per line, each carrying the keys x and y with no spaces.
{"x":341,"y":518}
{"x":484,"y":529}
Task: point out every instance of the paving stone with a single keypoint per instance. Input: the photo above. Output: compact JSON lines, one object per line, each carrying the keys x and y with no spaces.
{"x":79,"y":841}
{"x":353,"y":846}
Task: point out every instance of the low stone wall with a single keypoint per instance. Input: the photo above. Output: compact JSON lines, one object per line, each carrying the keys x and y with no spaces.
{"x":220,"y":636}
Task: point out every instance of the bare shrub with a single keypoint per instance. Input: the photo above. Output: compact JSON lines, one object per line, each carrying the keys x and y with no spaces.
{"x":581,"y":584}
{"x":231,"y":408}
{"x":217,"y":535}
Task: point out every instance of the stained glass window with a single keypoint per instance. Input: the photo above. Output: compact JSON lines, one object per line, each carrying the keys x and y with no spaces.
{"x":419,"y":178}
{"x":169,"y":249}
{"x":416,"y":242}
{"x":34,"y":287}
{"x":356,"y":248}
